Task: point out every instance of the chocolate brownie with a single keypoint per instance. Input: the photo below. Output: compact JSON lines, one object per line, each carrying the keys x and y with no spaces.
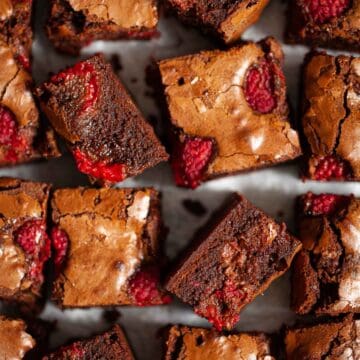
{"x":107,"y":247}
{"x":330,"y":113}
{"x":227,"y":111}
{"x":326,"y":276}
{"x":226,"y":19}
{"x":111,"y":345}
{"x":338,"y":339}
{"x":195,"y":343}
{"x":15,"y":341}
{"x":106,"y":133}
{"x":73,"y":24}
{"x":233,"y":260}
{"x":15,"y":29}
{"x":325,"y":23}
{"x":25,"y":246}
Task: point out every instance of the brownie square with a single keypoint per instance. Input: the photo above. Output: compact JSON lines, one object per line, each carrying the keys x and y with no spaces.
{"x":233,"y":260}
{"x":106,"y":133}
{"x":330,"y":113}
{"x":326,"y":276}
{"x":227,"y":111}
{"x":107,"y":245}
{"x":25,"y":246}
{"x":326,"y":23}
{"x":226,"y":19}
{"x":15,"y":341}
{"x":111,"y":345}
{"x":195,"y":343}
{"x":336,"y":339}
{"x":73,"y":24}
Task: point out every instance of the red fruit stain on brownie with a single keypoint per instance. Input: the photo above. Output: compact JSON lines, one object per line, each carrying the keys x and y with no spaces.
{"x":99,"y":169}
{"x":260,"y":86}
{"x":24,"y":61}
{"x":32,"y":238}
{"x":190,"y":160}
{"x":60,"y":243}
{"x":323,"y":204}
{"x":74,"y":350}
{"x":11,"y":141}
{"x":144,"y":288}
{"x":85,"y":71}
{"x":330,"y":167}
{"x":321,"y":11}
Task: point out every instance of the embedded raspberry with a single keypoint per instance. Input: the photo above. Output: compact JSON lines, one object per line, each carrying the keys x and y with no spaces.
{"x":190,"y":161}
{"x":220,"y":321}
{"x":99,"y":169}
{"x":24,"y":61}
{"x":331,"y":167}
{"x":85,"y":71}
{"x":144,"y":288}
{"x":60,"y":243}
{"x":260,"y":86}
{"x":73,"y":350}
{"x":321,"y":11}
{"x":323,"y":204}
{"x":230,"y":292}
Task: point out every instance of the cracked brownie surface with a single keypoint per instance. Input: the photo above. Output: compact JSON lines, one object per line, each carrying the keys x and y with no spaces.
{"x":326,"y":275}
{"x":76,"y":23}
{"x":107,"y":246}
{"x":330,"y":117}
{"x":228,"y":111}
{"x":235,"y":259}
{"x":186,"y":343}
{"x":336,"y":339}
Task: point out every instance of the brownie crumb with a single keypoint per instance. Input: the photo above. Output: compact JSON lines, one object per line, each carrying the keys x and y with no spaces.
{"x":194,"y":207}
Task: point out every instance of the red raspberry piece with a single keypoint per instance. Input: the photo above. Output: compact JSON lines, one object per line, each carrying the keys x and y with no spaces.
{"x":220,"y":321}
{"x":190,"y":161}
{"x":144,"y":288}
{"x":99,"y":169}
{"x":321,"y":11}
{"x":323,"y":204}
{"x":60,"y":243}
{"x":87,"y":72}
{"x":330,"y":167}
{"x":72,"y":350}
{"x":24,"y":61}
{"x":260,"y":86}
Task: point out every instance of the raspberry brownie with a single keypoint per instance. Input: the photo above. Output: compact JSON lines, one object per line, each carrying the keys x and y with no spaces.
{"x":25,"y":246}
{"x":227,"y":111}
{"x":335,"y":339}
{"x":109,"y":345}
{"x":195,"y":343}
{"x":114,"y":237}
{"x":325,"y":23}
{"x":106,"y":133}
{"x":226,"y":19}
{"x":330,"y":117}
{"x":73,"y":24}
{"x":15,"y":341}
{"x":232,"y":261}
{"x":326,"y":275}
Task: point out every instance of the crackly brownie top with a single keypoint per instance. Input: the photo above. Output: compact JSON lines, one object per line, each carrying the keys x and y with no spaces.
{"x":237,"y":99}
{"x":111,"y":230}
{"x":339,"y":339}
{"x":331,"y":112}
{"x":15,"y":342}
{"x":185,"y":343}
{"x":124,"y":13}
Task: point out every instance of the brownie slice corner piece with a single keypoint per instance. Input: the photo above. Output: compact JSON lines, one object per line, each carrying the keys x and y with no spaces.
{"x":106,"y":133}
{"x":238,"y":256}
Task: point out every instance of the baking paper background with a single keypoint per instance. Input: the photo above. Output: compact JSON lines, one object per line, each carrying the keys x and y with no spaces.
{"x":272,"y":189}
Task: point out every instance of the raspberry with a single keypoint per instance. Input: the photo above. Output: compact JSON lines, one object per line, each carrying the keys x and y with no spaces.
{"x":214,"y":316}
{"x":190,"y":160}
{"x":32,"y":238}
{"x":99,"y":169}
{"x":330,"y":167}
{"x":87,"y":72}
{"x":260,"y":86}
{"x":60,"y":243}
{"x":24,"y":61}
{"x":144,"y":288}
{"x":323,"y":204}
{"x":321,"y":11}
